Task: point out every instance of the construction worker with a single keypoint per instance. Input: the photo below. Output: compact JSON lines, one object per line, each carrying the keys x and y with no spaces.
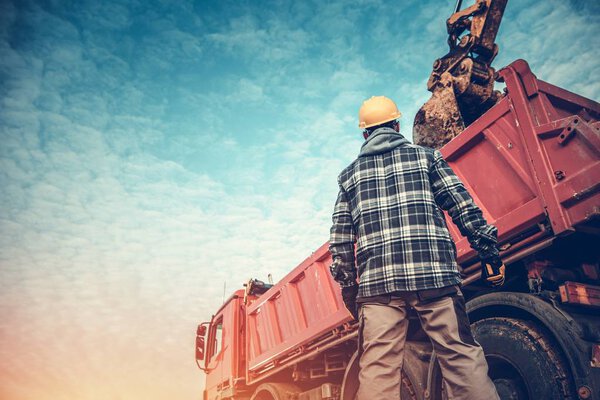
{"x":389,"y":204}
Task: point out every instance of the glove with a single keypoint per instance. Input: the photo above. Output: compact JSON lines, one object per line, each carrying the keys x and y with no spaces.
{"x":492,"y":270}
{"x":349,"y":296}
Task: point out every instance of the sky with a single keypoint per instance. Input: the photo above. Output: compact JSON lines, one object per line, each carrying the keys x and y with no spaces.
{"x":155,"y":155}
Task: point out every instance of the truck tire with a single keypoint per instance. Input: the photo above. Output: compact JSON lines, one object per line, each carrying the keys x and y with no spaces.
{"x":523,"y":362}
{"x":275,"y":391}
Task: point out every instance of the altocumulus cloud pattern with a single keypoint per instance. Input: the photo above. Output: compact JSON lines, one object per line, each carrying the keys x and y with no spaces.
{"x":151,"y":151}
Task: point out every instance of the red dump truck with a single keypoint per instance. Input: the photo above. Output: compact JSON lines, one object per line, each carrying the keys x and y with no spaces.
{"x":532,"y":163}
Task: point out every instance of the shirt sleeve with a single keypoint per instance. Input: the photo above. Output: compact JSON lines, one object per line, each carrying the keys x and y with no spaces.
{"x":452,"y":196}
{"x":341,"y":242}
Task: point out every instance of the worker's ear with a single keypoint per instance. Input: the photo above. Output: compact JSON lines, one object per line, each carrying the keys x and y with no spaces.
{"x":365,"y":134}
{"x":397,"y":127}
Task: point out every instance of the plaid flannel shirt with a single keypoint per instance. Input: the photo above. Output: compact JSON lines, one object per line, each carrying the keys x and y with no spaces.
{"x":390,"y":205}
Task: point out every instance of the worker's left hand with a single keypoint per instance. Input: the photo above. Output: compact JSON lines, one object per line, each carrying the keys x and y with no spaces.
{"x":492,"y":270}
{"x":349,"y":296}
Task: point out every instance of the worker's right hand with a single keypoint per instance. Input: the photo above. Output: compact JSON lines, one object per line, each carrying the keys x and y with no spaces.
{"x":492,"y":270}
{"x":349,"y":296}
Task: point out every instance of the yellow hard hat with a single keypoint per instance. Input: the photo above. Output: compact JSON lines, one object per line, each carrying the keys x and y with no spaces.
{"x":376,"y":111}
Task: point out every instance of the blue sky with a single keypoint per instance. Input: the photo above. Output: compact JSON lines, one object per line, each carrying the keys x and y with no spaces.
{"x":152,"y":150}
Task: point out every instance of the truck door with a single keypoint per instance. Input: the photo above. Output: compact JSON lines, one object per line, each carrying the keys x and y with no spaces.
{"x":222,"y":349}
{"x":214,"y":361}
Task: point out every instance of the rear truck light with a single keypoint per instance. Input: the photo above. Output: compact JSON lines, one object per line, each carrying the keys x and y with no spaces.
{"x":579,"y":293}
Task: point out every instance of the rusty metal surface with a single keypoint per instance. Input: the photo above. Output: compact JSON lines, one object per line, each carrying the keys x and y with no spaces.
{"x":462,"y":81}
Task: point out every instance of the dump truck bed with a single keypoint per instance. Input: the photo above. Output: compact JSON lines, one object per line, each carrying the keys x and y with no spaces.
{"x":532,"y":163}
{"x":288,"y":320}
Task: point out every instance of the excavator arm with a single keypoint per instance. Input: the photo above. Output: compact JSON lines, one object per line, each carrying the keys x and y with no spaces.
{"x":462,"y":81}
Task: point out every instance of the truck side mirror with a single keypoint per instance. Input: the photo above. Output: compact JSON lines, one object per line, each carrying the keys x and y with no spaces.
{"x":201,"y":344}
{"x":201,"y":330}
{"x":199,"y":348}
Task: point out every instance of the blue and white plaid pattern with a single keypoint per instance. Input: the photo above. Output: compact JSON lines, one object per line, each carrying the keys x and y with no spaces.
{"x":390,"y":205}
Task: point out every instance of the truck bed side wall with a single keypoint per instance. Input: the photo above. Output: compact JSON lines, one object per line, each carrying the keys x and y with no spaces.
{"x":532,"y":154}
{"x":303,"y":306}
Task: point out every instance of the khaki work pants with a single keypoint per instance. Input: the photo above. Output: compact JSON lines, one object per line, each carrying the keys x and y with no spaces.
{"x":445,"y":321}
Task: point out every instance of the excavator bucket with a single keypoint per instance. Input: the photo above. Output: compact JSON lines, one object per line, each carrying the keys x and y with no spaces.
{"x":438,"y":120}
{"x":462,"y":81}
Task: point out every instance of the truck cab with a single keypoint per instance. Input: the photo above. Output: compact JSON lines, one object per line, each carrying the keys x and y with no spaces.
{"x":220,"y":348}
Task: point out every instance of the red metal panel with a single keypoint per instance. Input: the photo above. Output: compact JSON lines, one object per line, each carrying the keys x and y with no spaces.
{"x":304,"y":305}
{"x":571,"y":150}
{"x":492,"y":161}
{"x":532,"y":157}
{"x":549,"y":153}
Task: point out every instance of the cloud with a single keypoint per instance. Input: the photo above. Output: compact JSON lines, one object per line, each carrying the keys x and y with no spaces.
{"x":265,"y":40}
{"x":246,"y":91}
{"x":554,"y":37}
{"x":151,"y":153}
